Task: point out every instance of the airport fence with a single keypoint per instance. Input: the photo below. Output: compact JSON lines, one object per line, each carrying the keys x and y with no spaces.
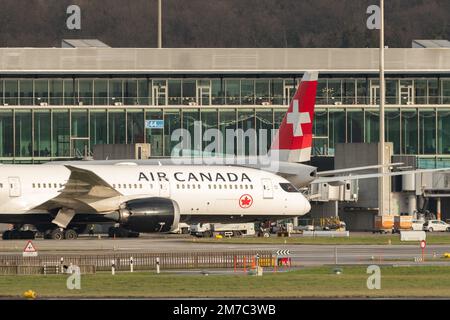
{"x":17,"y":264}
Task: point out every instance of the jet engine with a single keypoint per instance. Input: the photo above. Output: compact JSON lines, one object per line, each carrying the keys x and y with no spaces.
{"x":149,"y":215}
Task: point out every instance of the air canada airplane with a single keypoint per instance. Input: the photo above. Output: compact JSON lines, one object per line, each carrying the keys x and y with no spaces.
{"x":60,"y":200}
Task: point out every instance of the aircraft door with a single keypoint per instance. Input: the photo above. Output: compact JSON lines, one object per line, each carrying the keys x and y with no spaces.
{"x":14,"y":187}
{"x":267,"y":189}
{"x":164,"y":188}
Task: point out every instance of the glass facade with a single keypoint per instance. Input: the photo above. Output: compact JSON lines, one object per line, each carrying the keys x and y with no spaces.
{"x":47,"y":118}
{"x":217,"y":91}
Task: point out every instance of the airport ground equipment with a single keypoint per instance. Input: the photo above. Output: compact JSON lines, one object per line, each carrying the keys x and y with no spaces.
{"x":383,"y":224}
{"x":331,"y":223}
{"x":402,"y":223}
{"x":183,"y":228}
{"x":224,"y":229}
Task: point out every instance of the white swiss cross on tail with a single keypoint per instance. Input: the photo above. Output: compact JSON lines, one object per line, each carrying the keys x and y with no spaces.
{"x":293,"y":141}
{"x":297,"y":118}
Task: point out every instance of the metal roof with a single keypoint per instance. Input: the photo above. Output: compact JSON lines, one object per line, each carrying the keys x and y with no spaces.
{"x":218,"y":61}
{"x":431,"y":44}
{"x":83,"y":43}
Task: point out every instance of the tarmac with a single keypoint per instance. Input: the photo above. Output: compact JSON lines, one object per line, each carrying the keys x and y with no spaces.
{"x":301,"y":255}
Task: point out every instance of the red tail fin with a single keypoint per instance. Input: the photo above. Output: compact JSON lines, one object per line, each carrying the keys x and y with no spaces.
{"x":293,"y":142}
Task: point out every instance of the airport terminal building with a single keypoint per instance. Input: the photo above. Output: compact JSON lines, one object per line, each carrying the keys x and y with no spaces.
{"x":58,"y":103}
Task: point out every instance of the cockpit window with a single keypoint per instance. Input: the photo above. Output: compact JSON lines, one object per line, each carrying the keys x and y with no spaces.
{"x":288,"y":187}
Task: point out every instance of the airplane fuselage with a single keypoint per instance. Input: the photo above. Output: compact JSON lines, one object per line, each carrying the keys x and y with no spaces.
{"x":200,"y":193}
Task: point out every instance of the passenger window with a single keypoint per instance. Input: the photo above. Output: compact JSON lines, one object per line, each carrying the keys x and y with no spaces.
{"x":1,"y":185}
{"x":246,"y":186}
{"x":182,"y":186}
{"x":56,"y":185}
{"x":43,"y":186}
{"x":39,"y":185}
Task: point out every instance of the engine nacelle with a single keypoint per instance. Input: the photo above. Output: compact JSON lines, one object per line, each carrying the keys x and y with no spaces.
{"x":149,"y":215}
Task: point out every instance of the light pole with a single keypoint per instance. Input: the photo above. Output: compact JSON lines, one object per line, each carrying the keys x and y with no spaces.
{"x":159,"y":24}
{"x":381,"y":182}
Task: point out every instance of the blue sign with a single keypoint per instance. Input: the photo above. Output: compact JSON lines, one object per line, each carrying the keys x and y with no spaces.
{"x":154,"y":124}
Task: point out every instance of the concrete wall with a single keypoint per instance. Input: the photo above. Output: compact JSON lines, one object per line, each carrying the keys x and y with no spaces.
{"x":359,"y":216}
{"x":322,"y":209}
{"x":445,"y":206}
{"x":399,"y":203}
{"x":358,"y":220}
{"x":350,"y":155}
{"x":219,"y":60}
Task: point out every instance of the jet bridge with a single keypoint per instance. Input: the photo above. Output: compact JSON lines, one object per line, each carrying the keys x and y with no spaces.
{"x":324,"y":192}
{"x":428,"y":186}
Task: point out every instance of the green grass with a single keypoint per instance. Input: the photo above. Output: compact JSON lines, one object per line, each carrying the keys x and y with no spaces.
{"x":352,"y":240}
{"x":310,"y":282}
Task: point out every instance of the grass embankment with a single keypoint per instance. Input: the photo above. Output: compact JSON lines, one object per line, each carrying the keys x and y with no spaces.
{"x":352,"y":240}
{"x":310,"y":282}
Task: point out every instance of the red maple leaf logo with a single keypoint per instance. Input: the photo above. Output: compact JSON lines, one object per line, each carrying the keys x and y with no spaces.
{"x":245,"y":201}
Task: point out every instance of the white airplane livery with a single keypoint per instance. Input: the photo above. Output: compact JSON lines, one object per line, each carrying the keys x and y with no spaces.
{"x":60,"y":200}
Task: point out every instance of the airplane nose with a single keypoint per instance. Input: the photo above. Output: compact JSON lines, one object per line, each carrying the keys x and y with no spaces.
{"x":305,"y":205}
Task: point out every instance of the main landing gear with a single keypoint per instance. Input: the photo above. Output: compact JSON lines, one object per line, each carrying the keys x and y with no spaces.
{"x":49,"y":232}
{"x":60,"y":234}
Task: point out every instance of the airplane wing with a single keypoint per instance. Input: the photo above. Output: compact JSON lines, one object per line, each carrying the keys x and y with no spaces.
{"x":331,"y":172}
{"x":374,"y":175}
{"x":83,"y":192}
